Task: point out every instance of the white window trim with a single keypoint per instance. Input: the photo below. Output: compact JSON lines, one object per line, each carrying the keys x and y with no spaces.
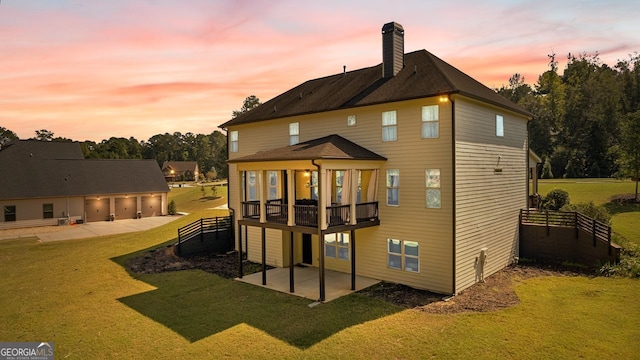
{"x":432,"y":188}
{"x":272,"y":186}
{"x":390,"y":125}
{"x":338,"y":246}
{"x":426,"y":121}
{"x":499,"y":125}
{"x":403,"y":256}
{"x":389,"y":187}
{"x":352,"y":120}
{"x":233,"y":141}
{"x":294,"y":133}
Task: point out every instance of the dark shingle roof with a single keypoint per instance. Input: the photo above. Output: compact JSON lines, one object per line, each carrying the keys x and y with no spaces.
{"x":424,"y":75}
{"x":46,"y":149}
{"x":328,"y":147}
{"x":30,"y":176}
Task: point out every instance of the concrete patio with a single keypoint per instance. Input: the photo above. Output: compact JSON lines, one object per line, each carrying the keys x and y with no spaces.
{"x":306,"y":282}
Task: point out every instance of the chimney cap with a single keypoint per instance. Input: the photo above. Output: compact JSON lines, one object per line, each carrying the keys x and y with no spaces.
{"x":392,"y":26}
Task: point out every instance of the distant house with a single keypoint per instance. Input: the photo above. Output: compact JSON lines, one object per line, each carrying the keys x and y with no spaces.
{"x":180,"y":170}
{"x":412,"y":165}
{"x":47,"y":182}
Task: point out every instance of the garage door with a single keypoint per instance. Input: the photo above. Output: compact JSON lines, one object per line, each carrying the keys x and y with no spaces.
{"x":126,"y":208}
{"x":96,"y":210}
{"x":151,"y":206}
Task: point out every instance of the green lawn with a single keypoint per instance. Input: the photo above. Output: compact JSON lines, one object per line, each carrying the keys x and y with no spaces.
{"x":78,"y":295}
{"x":625,"y":220}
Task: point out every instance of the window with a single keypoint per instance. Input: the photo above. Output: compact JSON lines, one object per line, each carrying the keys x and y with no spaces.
{"x":233,"y":141}
{"x":10,"y":213}
{"x":273,"y":184}
{"x":499,"y":125}
{"x":351,"y":120}
{"x":252,"y":186}
{"x":314,"y":185}
{"x":47,"y":211}
{"x":389,"y":131}
{"x":294,"y":133}
{"x":403,"y":255}
{"x":393,"y":183}
{"x":430,"y":122}
{"x":433,"y":187}
{"x":337,"y":246}
{"x":339,"y":177}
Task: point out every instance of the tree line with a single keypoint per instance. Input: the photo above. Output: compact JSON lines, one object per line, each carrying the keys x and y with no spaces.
{"x":208,"y":150}
{"x":586,"y":119}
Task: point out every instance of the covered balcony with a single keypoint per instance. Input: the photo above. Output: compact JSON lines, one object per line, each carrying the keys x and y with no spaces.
{"x":328,"y":184}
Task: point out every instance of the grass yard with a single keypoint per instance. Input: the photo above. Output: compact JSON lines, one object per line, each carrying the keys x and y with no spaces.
{"x":625,"y":220}
{"x":78,"y":295}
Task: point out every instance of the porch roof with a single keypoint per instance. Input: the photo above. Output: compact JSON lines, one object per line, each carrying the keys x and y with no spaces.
{"x":328,"y":147}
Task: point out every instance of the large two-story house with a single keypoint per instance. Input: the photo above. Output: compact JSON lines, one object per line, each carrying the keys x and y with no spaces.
{"x":409,"y":171}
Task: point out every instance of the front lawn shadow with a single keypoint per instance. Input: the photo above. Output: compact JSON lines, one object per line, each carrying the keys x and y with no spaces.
{"x":197,"y":304}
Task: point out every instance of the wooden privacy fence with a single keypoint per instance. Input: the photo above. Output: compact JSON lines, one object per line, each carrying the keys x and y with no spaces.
{"x":564,"y":235}
{"x":207,"y":235}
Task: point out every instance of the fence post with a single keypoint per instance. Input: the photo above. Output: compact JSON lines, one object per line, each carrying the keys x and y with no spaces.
{"x":217,"y":229}
{"x":575,"y":215}
{"x":609,"y":239}
{"x":593,"y":221}
{"x":547,"y":221}
{"x":201,"y":232}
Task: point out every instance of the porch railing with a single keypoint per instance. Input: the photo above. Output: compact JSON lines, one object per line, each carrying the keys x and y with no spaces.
{"x":277,"y":212}
{"x":367,"y":211}
{"x":337,"y":215}
{"x":307,"y":215}
{"x":251,"y":209}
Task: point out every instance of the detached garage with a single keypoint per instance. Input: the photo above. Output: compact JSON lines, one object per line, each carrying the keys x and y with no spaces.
{"x":48,"y":179}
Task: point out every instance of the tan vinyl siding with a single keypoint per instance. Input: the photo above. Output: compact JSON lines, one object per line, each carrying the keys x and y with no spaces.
{"x":487,"y":202}
{"x":411,"y":155}
{"x":273,"y":243}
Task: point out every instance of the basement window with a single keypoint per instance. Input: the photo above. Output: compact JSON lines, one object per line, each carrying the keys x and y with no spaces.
{"x":403,"y":255}
{"x":336,"y":246}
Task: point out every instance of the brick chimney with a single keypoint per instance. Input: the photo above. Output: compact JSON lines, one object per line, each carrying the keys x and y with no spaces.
{"x":392,"y":49}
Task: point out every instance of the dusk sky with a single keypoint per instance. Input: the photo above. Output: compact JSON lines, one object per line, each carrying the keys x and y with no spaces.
{"x":90,"y":70}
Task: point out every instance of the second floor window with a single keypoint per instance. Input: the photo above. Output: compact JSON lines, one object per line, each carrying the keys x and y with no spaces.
{"x":389,"y":129}
{"x":430,"y":122}
{"x":499,"y":125}
{"x":294,"y":133}
{"x":233,"y":141}
{"x":393,"y":187}
{"x":252,"y":185}
{"x":433,"y":188}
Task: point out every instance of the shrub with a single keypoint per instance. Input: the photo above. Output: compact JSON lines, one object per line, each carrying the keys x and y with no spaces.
{"x":591,"y":210}
{"x":171,"y":208}
{"x":555,"y":199}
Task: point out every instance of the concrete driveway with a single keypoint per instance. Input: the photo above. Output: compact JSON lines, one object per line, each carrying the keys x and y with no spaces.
{"x":92,"y":229}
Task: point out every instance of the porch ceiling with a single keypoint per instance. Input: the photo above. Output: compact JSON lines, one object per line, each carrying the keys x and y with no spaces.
{"x":328,"y":147}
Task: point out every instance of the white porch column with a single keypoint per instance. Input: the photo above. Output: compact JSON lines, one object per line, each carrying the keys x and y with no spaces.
{"x":353,"y":196}
{"x":291,"y":196}
{"x":261,"y":175}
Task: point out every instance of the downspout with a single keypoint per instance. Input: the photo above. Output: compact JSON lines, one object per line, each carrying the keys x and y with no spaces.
{"x":320,"y":237}
{"x":453,"y":204}
{"x":528,"y":166}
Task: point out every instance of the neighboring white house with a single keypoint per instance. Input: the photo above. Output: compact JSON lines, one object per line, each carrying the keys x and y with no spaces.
{"x":408,"y":171}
